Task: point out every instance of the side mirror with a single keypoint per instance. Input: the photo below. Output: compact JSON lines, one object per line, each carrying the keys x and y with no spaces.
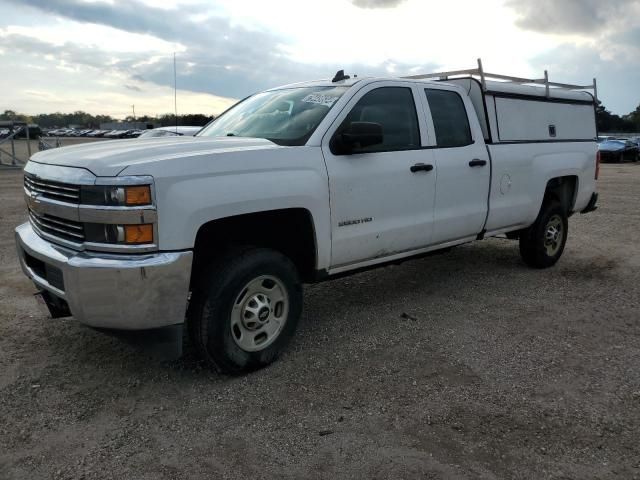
{"x":357,"y":135}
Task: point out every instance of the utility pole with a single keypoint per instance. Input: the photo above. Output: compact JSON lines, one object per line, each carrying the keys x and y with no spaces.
{"x":133,"y":107}
{"x":175,"y":91}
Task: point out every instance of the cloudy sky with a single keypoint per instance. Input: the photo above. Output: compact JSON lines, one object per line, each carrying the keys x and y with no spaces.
{"x":103,"y":56}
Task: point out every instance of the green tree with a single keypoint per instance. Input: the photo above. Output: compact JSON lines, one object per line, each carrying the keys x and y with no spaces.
{"x":610,"y":122}
{"x":86,"y":120}
{"x":10,"y":115}
{"x":634,"y":118}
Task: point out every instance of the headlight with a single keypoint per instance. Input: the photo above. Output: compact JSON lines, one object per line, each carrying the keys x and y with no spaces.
{"x":119,"y":213}
{"x":119,"y":234}
{"x":116,"y":196}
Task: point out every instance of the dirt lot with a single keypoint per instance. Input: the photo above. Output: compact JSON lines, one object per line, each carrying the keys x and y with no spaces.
{"x":495,"y":371}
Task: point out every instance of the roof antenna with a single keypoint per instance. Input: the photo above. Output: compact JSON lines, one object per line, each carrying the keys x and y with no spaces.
{"x":340,"y":76}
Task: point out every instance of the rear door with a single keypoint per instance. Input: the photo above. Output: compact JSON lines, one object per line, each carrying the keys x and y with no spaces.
{"x":381,"y":195}
{"x":462,"y":162}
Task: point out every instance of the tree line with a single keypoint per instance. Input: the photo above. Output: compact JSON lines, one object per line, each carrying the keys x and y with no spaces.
{"x":610,"y":122}
{"x":86,"y":120}
{"x":606,"y":121}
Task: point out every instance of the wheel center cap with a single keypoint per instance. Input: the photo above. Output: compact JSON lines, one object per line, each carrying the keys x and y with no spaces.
{"x":263,"y":314}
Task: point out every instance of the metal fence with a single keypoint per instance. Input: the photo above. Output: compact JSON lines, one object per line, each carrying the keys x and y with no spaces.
{"x":8,"y":157}
{"x":51,"y":143}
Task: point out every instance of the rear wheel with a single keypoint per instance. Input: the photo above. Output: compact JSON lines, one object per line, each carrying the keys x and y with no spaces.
{"x":542,"y":244}
{"x":244,"y":309}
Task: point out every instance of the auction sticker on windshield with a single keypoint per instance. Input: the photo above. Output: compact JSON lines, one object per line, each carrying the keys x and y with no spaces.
{"x":320,"y":99}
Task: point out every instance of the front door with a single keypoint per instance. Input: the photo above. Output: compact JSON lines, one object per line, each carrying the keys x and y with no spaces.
{"x":382,"y":195}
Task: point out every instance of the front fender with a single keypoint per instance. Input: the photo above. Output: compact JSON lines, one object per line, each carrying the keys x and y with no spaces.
{"x":218,"y":186}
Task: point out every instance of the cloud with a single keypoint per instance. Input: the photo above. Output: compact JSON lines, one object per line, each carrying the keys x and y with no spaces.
{"x":571,"y":16}
{"x":377,"y":3}
{"x":69,"y":54}
{"x":213,"y":55}
{"x":227,"y":60}
{"x":132,"y":16}
{"x":617,"y":81}
{"x":53,"y":87}
{"x":630,"y":37}
{"x":132,"y":87}
{"x":597,"y":39}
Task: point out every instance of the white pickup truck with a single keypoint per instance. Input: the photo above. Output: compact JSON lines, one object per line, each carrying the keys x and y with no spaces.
{"x":296,"y":184}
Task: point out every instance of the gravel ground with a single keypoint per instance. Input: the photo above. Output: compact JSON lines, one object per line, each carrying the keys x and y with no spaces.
{"x":464,"y":365}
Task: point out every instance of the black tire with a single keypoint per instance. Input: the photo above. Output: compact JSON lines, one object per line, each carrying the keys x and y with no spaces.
{"x":216,"y":289}
{"x":535,"y":248}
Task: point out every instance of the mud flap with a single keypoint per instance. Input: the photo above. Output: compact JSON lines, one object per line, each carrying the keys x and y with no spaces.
{"x":592,"y":204}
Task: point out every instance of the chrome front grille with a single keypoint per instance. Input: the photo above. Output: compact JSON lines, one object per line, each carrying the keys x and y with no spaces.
{"x":58,"y":227}
{"x":63,"y":192}
{"x":63,"y":209}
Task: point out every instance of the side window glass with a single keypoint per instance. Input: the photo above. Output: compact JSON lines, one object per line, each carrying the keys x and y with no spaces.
{"x":449,"y":118}
{"x":394,"y":109}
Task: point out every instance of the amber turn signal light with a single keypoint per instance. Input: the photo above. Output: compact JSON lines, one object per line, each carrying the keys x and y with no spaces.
{"x":138,"y":233}
{"x":137,"y":195}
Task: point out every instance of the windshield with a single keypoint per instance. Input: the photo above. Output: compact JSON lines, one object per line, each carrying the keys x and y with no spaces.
{"x":286,"y":117}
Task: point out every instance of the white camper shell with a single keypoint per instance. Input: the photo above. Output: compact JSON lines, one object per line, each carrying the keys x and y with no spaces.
{"x":513,"y":109}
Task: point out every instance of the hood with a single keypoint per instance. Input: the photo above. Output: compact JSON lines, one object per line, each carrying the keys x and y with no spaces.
{"x":611,"y":146}
{"x":109,"y":158}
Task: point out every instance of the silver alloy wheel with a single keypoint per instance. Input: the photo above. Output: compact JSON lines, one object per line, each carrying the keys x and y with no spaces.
{"x":259,"y":313}
{"x":553,"y":235}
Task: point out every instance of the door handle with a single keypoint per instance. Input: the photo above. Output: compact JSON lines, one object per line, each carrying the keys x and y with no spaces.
{"x":477,"y":163}
{"x":421,"y":167}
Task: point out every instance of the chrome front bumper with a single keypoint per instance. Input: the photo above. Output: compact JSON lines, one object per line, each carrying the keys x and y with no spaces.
{"x":124,"y":292}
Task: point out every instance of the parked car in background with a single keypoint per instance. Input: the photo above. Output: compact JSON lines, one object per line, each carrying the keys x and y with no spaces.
{"x":34,"y":131}
{"x":618,"y":150}
{"x":132,"y":133}
{"x":636,"y":140}
{"x":113,"y":134}
{"x":187,"y":131}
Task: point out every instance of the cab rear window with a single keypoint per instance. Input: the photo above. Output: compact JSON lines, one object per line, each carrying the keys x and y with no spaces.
{"x":450,"y":119}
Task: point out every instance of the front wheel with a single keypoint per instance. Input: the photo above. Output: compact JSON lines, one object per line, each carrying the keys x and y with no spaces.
{"x":244,"y":309}
{"x":542,"y":244}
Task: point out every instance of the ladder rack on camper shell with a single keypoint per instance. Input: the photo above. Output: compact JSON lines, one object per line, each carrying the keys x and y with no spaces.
{"x":485,"y":75}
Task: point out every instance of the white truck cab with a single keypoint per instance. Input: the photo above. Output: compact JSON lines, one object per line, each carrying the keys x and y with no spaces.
{"x":296,"y":184}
